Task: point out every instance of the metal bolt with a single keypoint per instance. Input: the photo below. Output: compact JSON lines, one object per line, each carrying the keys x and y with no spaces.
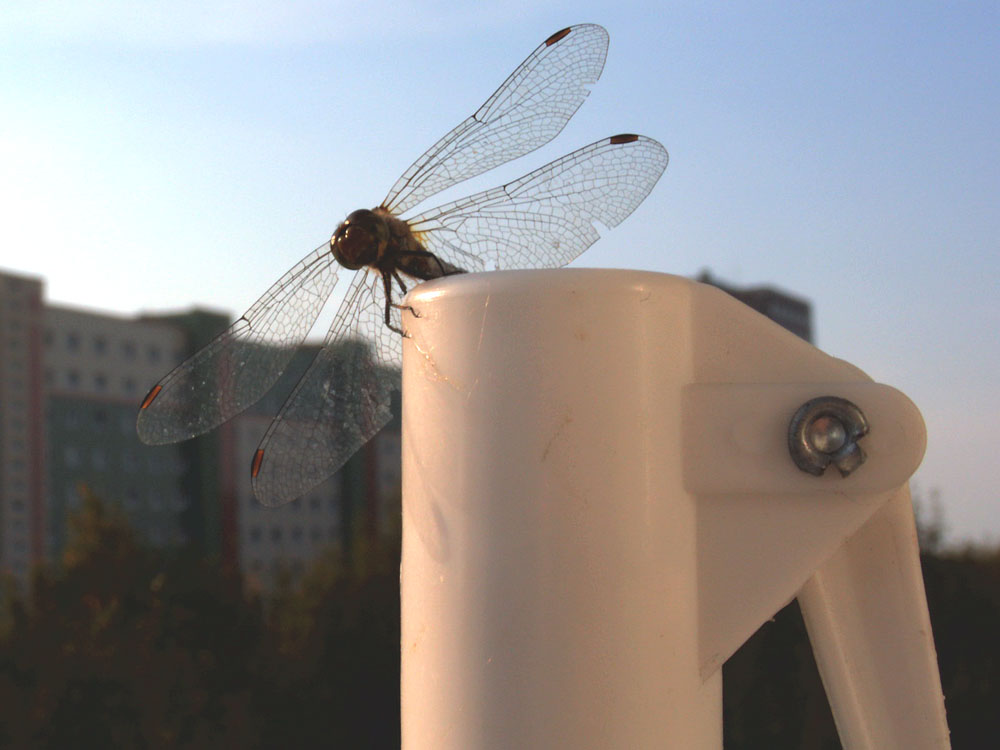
{"x":827,"y":434}
{"x":826,"y":431}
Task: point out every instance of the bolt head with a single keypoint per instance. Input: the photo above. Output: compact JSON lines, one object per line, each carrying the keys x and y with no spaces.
{"x":826,"y":434}
{"x":825,"y":430}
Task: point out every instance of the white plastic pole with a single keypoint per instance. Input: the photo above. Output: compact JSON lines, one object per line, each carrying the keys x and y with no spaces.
{"x":549,"y":576}
{"x":600,"y":507}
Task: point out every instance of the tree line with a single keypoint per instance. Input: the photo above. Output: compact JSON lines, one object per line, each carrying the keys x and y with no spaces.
{"x":126,"y":646}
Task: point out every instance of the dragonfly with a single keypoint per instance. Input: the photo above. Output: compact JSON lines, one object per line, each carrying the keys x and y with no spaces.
{"x":545,"y":219}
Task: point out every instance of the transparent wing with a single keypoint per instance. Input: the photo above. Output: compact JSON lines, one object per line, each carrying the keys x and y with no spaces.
{"x":526,"y":112}
{"x":239,"y":366}
{"x":546,"y":218}
{"x":342,"y":400}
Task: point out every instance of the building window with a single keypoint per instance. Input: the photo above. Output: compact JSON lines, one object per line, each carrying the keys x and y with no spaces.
{"x":128,"y":349}
{"x":73,"y":341}
{"x":255,"y":534}
{"x":73,"y":378}
{"x":100,"y":382}
{"x":71,"y":455}
{"x":154,"y":354}
{"x":177,"y":501}
{"x":276,"y":533}
{"x":177,"y":464}
{"x":100,"y":345}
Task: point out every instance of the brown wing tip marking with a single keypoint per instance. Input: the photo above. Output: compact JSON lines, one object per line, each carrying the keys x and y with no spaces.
{"x":150,"y":396}
{"x":623,"y":138}
{"x":258,"y":459}
{"x":557,"y":36}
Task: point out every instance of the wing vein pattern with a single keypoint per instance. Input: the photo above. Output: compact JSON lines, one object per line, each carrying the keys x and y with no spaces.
{"x":341,"y":402}
{"x":528,"y":110}
{"x":546,"y":218}
{"x":241,"y":364}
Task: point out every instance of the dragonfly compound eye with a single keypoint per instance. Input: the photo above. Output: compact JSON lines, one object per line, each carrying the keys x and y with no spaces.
{"x":359,"y":240}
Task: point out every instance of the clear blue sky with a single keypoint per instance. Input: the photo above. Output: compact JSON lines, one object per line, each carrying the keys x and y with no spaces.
{"x":159,"y":155}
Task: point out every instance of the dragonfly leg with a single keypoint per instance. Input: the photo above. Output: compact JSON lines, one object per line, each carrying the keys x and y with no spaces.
{"x":399,"y":280}
{"x":402,"y":286}
{"x":389,"y":304}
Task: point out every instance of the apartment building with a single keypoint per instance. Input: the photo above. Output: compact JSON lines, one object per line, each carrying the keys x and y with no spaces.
{"x":70,"y":384}
{"x":22,"y":430}
{"x":788,"y":311}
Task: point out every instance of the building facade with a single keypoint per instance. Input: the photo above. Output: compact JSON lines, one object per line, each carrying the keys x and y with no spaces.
{"x":70,"y":385}
{"x":22,"y":425}
{"x":787,"y":310}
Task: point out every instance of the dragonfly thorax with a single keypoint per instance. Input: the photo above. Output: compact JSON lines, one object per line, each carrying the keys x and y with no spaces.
{"x":360,"y":240}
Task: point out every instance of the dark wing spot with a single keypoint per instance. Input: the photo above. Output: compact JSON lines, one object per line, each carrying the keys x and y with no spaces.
{"x":150,"y":396}
{"x":557,"y":36}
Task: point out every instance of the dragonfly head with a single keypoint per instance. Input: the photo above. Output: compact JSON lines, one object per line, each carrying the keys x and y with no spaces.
{"x":360,"y":239}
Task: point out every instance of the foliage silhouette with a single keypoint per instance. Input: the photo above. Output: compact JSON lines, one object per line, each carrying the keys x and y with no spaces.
{"x":125,"y":646}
